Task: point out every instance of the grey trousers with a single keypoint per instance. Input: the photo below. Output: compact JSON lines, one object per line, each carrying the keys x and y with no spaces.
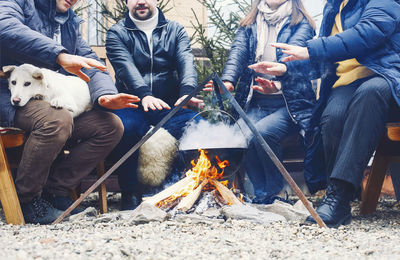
{"x":351,"y":126}
{"x":90,"y":137}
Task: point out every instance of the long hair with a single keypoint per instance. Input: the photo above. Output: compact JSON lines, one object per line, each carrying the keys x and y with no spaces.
{"x":298,"y":12}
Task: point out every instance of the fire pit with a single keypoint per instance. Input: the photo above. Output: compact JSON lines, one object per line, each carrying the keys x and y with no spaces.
{"x":234,"y":156}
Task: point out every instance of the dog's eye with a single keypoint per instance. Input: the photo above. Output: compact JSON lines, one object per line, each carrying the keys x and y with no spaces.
{"x":13,"y":82}
{"x":27,"y":84}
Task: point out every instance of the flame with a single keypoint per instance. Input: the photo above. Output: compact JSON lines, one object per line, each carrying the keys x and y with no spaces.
{"x":201,"y":170}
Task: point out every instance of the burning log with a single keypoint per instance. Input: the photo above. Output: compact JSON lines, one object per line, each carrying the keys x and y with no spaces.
{"x":169,"y":191}
{"x":188,"y":201}
{"x":227,"y":194}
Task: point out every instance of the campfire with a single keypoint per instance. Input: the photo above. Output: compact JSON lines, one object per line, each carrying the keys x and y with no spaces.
{"x":202,"y":177}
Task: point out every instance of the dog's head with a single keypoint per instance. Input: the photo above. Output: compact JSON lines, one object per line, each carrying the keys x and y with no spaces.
{"x":25,"y":82}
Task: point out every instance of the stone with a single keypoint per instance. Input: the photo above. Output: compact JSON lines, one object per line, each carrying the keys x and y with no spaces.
{"x":146,"y":213}
{"x":291,"y":213}
{"x":88,"y":213}
{"x":250,"y":213}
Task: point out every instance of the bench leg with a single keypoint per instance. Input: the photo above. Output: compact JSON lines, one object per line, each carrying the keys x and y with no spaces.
{"x":372,"y":191}
{"x":8,"y":194}
{"x":102,"y":189}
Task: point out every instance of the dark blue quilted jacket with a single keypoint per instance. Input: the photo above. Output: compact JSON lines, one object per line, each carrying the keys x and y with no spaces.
{"x":296,"y":87}
{"x":26,"y":31}
{"x":167,"y":73}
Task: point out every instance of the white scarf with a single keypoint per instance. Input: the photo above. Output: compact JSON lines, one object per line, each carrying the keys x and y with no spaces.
{"x":269,"y":22}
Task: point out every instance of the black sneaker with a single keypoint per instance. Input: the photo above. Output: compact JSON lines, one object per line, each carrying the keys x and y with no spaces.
{"x":39,"y":211}
{"x":335,"y":208}
{"x":130,"y":201}
{"x":61,"y":202}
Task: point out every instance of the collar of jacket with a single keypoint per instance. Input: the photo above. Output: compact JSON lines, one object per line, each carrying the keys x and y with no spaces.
{"x":47,"y":6}
{"x":131,"y":25}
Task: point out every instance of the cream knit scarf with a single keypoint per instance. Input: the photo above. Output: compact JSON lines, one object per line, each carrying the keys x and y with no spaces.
{"x":269,"y":22}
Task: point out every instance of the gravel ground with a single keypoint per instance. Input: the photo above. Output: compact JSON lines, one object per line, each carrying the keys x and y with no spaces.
{"x":374,"y":237}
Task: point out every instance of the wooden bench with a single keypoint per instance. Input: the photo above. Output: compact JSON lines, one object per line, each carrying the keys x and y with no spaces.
{"x":8,"y":195}
{"x":388,"y":151}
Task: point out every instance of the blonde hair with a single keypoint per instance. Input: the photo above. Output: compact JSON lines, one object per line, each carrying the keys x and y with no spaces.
{"x":298,"y":12}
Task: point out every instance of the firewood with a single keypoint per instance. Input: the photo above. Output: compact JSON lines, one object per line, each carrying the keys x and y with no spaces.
{"x":226,"y":193}
{"x":168,"y":191}
{"x":188,"y":201}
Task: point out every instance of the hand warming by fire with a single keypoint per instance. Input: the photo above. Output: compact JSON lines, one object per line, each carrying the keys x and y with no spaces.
{"x":202,"y":177}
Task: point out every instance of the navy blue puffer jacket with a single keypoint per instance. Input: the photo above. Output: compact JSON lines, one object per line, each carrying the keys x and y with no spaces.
{"x":166,"y":74}
{"x":372,"y":36}
{"x":26,"y":36}
{"x":296,"y":87}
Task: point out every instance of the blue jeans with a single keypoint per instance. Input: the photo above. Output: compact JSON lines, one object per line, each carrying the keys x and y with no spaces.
{"x":136,"y":124}
{"x":351,"y":126}
{"x":272,"y":120}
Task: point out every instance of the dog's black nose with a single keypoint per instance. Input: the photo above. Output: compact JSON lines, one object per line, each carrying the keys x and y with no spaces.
{"x":16,"y":101}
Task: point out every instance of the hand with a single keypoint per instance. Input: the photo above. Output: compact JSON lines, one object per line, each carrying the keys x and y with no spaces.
{"x":73,"y":64}
{"x":193,"y":102}
{"x":154,"y":103}
{"x":118,"y":101}
{"x":295,"y":52}
{"x":210,"y":86}
{"x":269,"y":68}
{"x":265,"y":86}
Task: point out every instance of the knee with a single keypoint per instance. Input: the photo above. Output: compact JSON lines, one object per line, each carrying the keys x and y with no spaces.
{"x":373,"y":93}
{"x":113,"y":126}
{"x":57,"y":125}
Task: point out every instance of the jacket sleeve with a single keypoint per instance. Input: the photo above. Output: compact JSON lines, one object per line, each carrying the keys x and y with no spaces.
{"x":100,"y":82}
{"x":124,"y":66}
{"x":23,"y":43}
{"x":185,"y":63}
{"x":377,"y":23}
{"x":238,"y":57}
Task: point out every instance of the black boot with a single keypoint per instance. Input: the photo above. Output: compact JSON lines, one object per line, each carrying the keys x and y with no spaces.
{"x":335,"y":208}
{"x":130,"y":201}
{"x":61,"y":202}
{"x":39,"y":211}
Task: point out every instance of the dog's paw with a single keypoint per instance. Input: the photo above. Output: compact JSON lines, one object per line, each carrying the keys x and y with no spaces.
{"x":57,"y":103}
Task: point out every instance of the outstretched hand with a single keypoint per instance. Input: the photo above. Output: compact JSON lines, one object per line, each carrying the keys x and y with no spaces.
{"x":210,"y":86}
{"x":154,"y":103}
{"x":74,"y":63}
{"x":265,"y":86}
{"x":118,"y":101}
{"x":269,"y":68}
{"x":193,"y":102}
{"x":294,"y":52}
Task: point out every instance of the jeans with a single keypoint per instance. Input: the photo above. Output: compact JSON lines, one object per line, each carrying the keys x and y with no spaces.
{"x":136,"y":123}
{"x":90,"y":137}
{"x":351,"y":126}
{"x":272,"y":120}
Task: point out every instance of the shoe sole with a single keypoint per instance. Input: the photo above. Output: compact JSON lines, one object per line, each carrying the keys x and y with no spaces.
{"x":344,"y":221}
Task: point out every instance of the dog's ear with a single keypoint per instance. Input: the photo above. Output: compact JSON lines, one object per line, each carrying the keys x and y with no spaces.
{"x":6,"y":72}
{"x":37,"y":74}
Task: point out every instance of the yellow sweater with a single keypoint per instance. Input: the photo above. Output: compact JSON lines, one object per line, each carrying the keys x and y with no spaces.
{"x":349,"y":70}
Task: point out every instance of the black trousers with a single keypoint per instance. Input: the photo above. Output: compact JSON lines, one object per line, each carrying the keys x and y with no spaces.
{"x":352,"y":124}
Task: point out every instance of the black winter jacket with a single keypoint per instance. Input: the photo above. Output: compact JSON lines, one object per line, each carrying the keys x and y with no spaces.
{"x":167,"y":74}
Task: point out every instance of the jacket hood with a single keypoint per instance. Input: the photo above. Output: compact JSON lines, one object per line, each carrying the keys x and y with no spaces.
{"x":131,"y":25}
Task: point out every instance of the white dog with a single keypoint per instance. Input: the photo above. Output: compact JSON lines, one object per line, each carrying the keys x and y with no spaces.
{"x":27,"y":81}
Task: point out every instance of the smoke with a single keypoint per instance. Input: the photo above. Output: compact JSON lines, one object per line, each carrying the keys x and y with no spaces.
{"x":205,"y":135}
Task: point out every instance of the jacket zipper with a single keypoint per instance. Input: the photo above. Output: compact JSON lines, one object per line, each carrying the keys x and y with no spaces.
{"x":151,"y":52}
{"x":284,"y":98}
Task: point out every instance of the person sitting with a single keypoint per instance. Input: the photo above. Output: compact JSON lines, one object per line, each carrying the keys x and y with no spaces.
{"x":356,"y":56}
{"x":153,"y":60}
{"x":278,"y":106}
{"x":45,"y":33}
